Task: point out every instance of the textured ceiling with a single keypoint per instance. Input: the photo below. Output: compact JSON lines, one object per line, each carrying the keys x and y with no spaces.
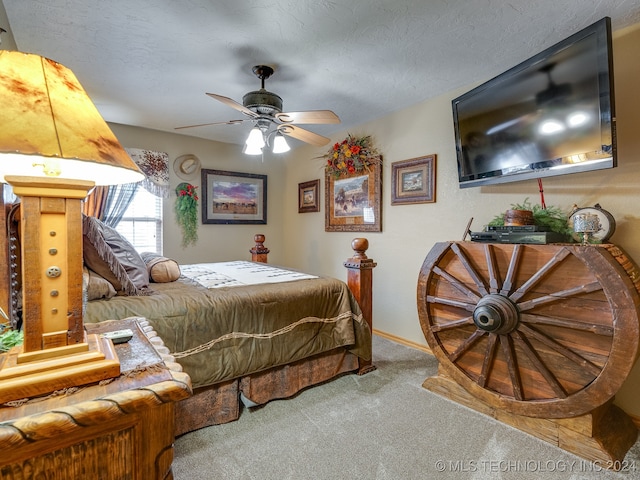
{"x":149,"y":62}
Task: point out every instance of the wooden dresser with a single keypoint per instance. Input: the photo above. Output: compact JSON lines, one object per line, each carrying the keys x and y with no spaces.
{"x":119,"y":429}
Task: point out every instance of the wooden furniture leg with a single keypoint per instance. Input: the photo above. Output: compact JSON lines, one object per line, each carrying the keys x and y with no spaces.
{"x":360,"y":282}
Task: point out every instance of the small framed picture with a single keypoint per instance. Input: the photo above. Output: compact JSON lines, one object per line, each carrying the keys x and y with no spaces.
{"x":413,"y":181}
{"x":309,"y":196}
{"x":233,"y":197}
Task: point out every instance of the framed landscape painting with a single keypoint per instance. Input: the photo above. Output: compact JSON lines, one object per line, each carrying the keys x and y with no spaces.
{"x":352,"y":203}
{"x":413,"y":181}
{"x":233,"y":197}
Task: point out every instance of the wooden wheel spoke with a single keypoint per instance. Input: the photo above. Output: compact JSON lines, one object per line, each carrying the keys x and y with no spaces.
{"x":560,"y":323}
{"x":466,"y":345}
{"x":514,"y":374}
{"x":561,"y":349}
{"x":540,"y":274}
{"x":537,"y":362}
{"x":449,"y":325}
{"x":604,"y":330}
{"x":562,"y":294}
{"x":491,"y":267}
{"x":450,"y":301}
{"x":489,"y":355}
{"x":512,"y":270}
{"x":472,"y":271}
{"x":457,"y":283}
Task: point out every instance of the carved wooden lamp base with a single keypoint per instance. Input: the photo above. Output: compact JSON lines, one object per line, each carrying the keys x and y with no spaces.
{"x":25,"y":375}
{"x":56,"y":352}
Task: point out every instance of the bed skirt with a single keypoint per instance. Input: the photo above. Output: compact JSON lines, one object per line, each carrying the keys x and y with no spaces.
{"x":221,"y":403}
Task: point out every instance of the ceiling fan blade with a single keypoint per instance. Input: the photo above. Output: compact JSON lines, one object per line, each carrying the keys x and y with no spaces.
{"x":233,"y":104}
{"x":230,"y":122}
{"x":303,"y":135}
{"x":311,"y":116}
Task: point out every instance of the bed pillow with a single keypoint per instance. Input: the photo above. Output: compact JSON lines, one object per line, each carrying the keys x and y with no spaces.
{"x":111,"y":256}
{"x":97,"y":287}
{"x":161,"y":269}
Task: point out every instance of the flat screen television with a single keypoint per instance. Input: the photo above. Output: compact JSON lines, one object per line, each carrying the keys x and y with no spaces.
{"x":553,"y":114}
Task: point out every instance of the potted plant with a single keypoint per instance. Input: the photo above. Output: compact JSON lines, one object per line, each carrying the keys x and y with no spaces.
{"x":549,"y":217}
{"x":10,"y":338}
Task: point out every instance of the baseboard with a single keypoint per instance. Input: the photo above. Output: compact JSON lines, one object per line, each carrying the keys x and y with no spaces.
{"x":402,"y":341}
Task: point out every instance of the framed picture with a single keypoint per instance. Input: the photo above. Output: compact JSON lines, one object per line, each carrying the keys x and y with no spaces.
{"x":233,"y":197}
{"x":352,"y":203}
{"x":413,"y":181}
{"x":309,"y":196}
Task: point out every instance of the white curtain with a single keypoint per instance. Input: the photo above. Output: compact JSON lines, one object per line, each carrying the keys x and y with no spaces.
{"x":118,"y":199}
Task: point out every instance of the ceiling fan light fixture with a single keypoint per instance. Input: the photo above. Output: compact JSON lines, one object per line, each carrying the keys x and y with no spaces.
{"x":255,"y":140}
{"x":280,"y":144}
{"x":264,"y":108}
{"x":252,"y":150}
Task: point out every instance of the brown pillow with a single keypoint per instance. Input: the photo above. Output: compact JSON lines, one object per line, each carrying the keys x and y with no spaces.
{"x":97,"y":287}
{"x":110,"y":255}
{"x":161,"y":269}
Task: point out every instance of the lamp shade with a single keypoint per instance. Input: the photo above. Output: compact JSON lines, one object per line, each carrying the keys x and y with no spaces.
{"x":252,"y":150}
{"x":255,"y":140}
{"x":280,"y":144}
{"x":50,"y":126}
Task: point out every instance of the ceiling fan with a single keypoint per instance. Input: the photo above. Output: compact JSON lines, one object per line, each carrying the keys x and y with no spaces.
{"x":264,"y":109}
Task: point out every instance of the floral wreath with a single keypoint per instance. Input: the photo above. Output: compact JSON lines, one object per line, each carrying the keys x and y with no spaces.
{"x":352,"y":155}
{"x":187,"y":212}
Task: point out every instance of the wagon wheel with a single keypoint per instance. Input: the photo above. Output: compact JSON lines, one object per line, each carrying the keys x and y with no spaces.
{"x":537,"y":330}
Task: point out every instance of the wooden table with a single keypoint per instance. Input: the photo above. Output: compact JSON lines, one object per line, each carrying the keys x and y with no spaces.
{"x":119,"y":429}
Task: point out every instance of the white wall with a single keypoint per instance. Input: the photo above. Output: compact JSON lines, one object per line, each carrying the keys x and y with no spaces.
{"x":215,"y":242}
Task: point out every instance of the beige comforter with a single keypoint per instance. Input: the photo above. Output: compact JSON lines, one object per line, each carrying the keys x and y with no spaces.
{"x":223,"y":333}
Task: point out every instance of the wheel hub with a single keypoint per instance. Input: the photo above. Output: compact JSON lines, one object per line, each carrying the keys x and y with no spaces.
{"x":495,"y":313}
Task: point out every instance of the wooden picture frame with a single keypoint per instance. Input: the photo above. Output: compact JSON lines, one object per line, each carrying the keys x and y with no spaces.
{"x":413,"y":181}
{"x":353,"y":203}
{"x":309,"y":196}
{"x":233,"y":197}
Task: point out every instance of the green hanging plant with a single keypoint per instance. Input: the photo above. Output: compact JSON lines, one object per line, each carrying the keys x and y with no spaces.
{"x":9,"y":339}
{"x":187,"y":212}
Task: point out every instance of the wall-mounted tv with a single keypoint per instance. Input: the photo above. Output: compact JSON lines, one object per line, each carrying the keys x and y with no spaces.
{"x":553,"y":114}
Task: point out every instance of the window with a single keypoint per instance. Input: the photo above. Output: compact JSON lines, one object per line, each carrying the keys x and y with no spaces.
{"x":141,"y":223}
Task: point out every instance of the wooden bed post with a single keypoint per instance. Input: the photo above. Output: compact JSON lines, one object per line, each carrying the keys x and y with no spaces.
{"x":259,"y":252}
{"x":360,"y":282}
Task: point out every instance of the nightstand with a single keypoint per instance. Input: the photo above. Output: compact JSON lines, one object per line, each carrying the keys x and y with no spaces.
{"x":119,"y":428}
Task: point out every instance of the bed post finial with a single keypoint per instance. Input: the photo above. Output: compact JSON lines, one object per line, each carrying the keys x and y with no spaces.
{"x":360,"y":246}
{"x":360,"y":282}
{"x":259,"y":252}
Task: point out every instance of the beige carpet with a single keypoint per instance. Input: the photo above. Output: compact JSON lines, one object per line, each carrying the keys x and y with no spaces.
{"x":381,"y":426}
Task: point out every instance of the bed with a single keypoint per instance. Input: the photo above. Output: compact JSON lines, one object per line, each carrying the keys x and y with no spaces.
{"x":247,"y":342}
{"x":250,"y":342}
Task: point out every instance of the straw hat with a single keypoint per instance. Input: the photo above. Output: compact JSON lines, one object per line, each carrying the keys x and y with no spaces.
{"x":186,"y":166}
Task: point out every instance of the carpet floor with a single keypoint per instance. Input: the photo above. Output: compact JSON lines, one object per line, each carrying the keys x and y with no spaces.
{"x":382,"y":426}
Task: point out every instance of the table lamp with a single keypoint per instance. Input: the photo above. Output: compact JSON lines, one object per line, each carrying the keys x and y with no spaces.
{"x":54,"y":147}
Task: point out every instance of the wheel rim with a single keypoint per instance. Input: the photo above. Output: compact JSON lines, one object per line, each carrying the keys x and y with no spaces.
{"x":543,"y":331}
